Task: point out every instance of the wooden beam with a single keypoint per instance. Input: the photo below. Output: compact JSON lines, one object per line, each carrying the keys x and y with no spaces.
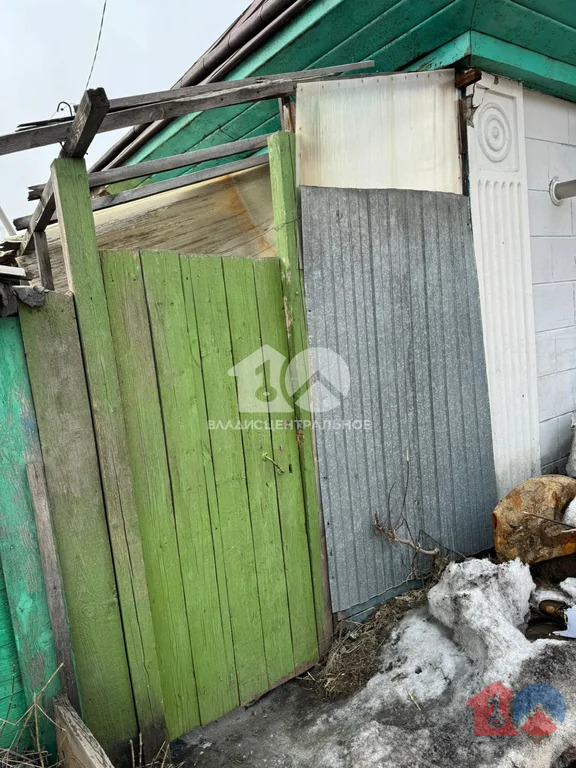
{"x":463,"y":79}
{"x":82,"y":130}
{"x":43,"y":260}
{"x":192,"y":90}
{"x":87,"y":120}
{"x":282,"y":153}
{"x":167,"y":109}
{"x":83,"y":268}
{"x":163,"y":164}
{"x":77,"y":747}
{"x":147,"y":190}
{"x":52,"y":579}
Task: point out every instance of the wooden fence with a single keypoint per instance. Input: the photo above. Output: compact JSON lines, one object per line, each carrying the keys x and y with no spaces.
{"x":190,"y":556}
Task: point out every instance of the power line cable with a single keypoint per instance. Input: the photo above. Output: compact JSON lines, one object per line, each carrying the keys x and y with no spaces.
{"x":97,"y":44}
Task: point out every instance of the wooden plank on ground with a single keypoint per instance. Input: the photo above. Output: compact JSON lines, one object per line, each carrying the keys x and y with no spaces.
{"x":52,"y":579}
{"x":147,"y":450}
{"x":84,"y":272}
{"x":60,"y":393}
{"x":77,"y":747}
{"x":282,"y":154}
{"x":251,"y":362}
{"x":18,"y":540}
{"x":289,"y":481}
{"x":230,"y":475}
{"x":175,"y":340}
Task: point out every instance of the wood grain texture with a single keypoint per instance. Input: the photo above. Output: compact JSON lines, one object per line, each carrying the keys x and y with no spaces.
{"x":289,"y":482}
{"x":152,"y":488}
{"x":52,"y":579}
{"x":282,"y":157}
{"x":85,"y":277}
{"x":12,"y":699}
{"x":60,"y":393}
{"x":260,"y":473}
{"x":175,"y":338}
{"x":230,"y":475}
{"x":77,"y":747}
{"x":18,"y":541}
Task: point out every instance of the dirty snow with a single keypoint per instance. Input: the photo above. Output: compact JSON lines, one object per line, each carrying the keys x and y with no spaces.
{"x":413,"y":712}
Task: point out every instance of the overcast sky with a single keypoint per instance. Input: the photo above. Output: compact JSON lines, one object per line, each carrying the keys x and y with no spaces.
{"x":45,"y":57}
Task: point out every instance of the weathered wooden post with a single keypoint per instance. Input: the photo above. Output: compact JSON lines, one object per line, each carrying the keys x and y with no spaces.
{"x":83,"y":269}
{"x":282,"y":153}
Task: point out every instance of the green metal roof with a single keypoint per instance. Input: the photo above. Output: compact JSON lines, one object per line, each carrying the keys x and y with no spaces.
{"x":529,"y":40}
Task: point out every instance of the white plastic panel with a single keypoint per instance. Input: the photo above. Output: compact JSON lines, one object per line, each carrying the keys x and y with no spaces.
{"x":499,"y":206}
{"x":389,"y":131}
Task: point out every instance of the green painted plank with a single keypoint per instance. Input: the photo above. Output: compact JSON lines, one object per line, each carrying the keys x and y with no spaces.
{"x":12,"y":699}
{"x":526,"y":28}
{"x":18,"y":543}
{"x":289,"y":481}
{"x":60,"y":394}
{"x":444,"y":56}
{"x":561,"y":10}
{"x":282,"y":152}
{"x":147,"y":450}
{"x":260,"y":468}
{"x":175,"y":341}
{"x":229,"y":471}
{"x":540,"y":72}
{"x":82,"y":261}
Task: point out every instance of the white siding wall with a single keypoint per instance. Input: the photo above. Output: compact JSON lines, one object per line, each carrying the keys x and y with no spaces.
{"x":550,"y":126}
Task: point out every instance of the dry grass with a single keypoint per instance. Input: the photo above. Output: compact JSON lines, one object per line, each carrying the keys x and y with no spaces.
{"x":354,"y":658}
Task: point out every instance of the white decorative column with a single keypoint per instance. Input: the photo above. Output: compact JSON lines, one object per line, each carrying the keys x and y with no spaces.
{"x":499,"y":203}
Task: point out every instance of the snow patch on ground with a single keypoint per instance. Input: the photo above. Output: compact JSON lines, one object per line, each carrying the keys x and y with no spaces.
{"x":413,"y":712}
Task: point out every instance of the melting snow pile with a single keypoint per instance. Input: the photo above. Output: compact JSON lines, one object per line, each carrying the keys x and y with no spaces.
{"x":414,"y":713}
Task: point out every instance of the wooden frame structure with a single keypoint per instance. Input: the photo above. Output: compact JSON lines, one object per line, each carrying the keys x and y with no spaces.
{"x":66,"y":198}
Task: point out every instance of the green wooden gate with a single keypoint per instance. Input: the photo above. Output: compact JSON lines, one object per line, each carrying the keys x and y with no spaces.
{"x":221,"y":510}
{"x":190,"y":547}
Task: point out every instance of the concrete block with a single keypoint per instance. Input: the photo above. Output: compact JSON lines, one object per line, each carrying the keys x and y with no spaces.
{"x":537,"y":163}
{"x":546,"y":352}
{"x":563,"y":258}
{"x":549,"y":441}
{"x":553,"y":306}
{"x":564,"y":434}
{"x":545,"y":117}
{"x":541,"y":253}
{"x":547,"y":218}
{"x":565,"y":348}
{"x":556,"y":394}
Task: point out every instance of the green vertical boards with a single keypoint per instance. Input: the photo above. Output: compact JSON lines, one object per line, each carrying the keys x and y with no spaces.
{"x":260,"y":475}
{"x":221,"y":508}
{"x":84,"y":270}
{"x":181,"y":388}
{"x":230,"y":474}
{"x":18,"y":544}
{"x":64,"y":420}
{"x":147,"y":450}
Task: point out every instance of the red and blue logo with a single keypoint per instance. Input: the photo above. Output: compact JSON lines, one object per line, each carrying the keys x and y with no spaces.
{"x":537,"y":710}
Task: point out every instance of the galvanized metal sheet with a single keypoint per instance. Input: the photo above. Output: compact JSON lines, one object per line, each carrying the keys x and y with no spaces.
{"x":391,"y":286}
